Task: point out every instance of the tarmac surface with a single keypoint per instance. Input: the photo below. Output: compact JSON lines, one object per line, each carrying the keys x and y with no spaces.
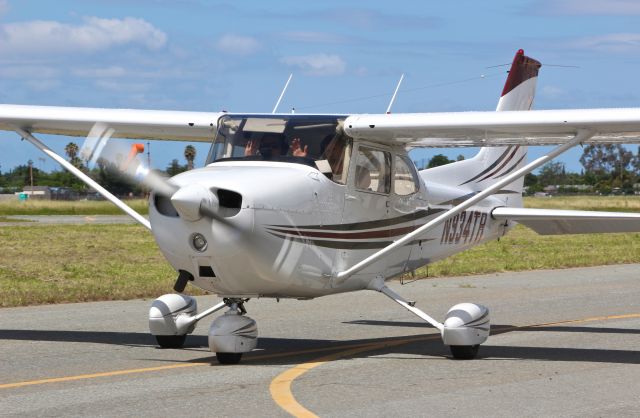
{"x":565,"y":343}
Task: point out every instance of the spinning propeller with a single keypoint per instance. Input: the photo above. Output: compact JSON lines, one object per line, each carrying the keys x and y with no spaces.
{"x":192,"y":202}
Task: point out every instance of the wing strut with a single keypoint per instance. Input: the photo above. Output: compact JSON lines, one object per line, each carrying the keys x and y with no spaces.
{"x":581,"y":135}
{"x":86,"y":179}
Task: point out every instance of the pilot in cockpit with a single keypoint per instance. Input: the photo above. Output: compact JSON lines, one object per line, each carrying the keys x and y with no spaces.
{"x":273,"y":145}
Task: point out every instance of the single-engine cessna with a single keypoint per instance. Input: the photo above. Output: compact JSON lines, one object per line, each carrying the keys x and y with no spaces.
{"x":302,"y":206}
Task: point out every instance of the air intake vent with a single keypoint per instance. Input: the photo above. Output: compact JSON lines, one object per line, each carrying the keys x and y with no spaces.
{"x":206,"y":271}
{"x":164,"y":206}
{"x":229,"y":199}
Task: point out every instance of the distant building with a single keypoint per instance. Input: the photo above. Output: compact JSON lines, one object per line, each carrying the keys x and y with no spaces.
{"x":50,"y":193}
{"x":37,"y":192}
{"x":64,"y":193}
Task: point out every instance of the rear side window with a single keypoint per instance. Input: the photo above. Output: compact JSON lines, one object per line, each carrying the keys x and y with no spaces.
{"x":405,"y":178}
{"x":373,"y":170}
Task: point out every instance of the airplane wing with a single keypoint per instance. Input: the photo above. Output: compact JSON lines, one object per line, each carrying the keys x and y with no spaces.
{"x":452,"y":129}
{"x":127,"y":123}
{"x":556,"y":222}
{"x":473,"y":129}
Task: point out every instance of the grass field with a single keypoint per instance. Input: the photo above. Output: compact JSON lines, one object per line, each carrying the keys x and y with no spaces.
{"x":71,"y":263}
{"x":101,"y":207}
{"x":62,"y":207}
{"x":603,"y":203}
{"x":68,"y":263}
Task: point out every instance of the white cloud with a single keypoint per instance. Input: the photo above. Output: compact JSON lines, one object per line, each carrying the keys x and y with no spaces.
{"x":93,"y":35}
{"x":613,"y":42}
{"x":314,"y":37}
{"x":4,"y":6}
{"x":361,"y":71}
{"x":28,"y":71}
{"x":123,"y":87}
{"x":317,"y":64}
{"x":42,"y":85}
{"x":106,"y":72}
{"x":553,"y":92}
{"x":587,"y":7}
{"x":237,"y":44}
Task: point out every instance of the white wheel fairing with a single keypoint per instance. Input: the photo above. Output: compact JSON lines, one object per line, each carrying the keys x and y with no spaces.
{"x":233,"y":333}
{"x":169,"y":313}
{"x":466,"y":324}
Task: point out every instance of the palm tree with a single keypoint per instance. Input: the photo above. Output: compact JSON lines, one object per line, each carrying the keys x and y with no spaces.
{"x":190,"y":155}
{"x":71,"y":150}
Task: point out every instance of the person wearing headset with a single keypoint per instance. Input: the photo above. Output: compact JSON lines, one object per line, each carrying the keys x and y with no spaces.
{"x":275,"y":145}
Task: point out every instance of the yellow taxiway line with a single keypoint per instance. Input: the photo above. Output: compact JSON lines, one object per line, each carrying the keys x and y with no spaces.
{"x":280,"y":387}
{"x":95,"y":375}
{"x":178,"y":366}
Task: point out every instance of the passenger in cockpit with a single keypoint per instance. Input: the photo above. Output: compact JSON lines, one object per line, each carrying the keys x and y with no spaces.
{"x":297,"y":150}
{"x":274,"y":145}
{"x":332,"y":149}
{"x":271,"y":145}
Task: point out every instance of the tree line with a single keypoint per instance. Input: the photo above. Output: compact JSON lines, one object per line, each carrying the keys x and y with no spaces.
{"x":606,"y":169}
{"x":107,"y":174}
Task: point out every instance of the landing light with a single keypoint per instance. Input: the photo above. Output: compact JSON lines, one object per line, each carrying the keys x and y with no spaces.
{"x":198,"y":242}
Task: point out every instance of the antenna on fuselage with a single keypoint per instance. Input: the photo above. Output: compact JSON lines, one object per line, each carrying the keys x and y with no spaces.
{"x":282,"y":94}
{"x":393,"y":98}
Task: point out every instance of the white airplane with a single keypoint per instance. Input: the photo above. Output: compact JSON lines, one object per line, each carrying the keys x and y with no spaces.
{"x":302,"y":206}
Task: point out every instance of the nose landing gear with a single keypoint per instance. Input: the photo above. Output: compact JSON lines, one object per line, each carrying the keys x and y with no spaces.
{"x":173,"y":316}
{"x":233,"y":333}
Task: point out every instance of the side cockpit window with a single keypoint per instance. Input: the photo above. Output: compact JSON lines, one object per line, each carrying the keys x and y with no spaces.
{"x":373,"y":170}
{"x":334,"y":158}
{"x":405,"y":178}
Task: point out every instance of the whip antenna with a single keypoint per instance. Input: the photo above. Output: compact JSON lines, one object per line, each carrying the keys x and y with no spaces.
{"x":282,"y":94}
{"x":393,"y":98}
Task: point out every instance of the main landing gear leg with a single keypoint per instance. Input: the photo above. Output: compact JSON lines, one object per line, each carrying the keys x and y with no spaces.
{"x":466,"y":325}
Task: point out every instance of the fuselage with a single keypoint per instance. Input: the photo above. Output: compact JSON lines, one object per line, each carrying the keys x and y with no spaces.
{"x":286,"y":226}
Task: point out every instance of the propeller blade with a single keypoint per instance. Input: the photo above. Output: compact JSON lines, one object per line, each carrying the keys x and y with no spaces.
{"x":192,"y":201}
{"x":98,"y":151}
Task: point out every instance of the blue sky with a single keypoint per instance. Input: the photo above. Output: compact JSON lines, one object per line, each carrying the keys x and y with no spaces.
{"x":208,"y":56}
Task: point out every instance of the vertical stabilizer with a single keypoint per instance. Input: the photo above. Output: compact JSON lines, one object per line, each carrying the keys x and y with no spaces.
{"x":520,"y":88}
{"x":491,"y":164}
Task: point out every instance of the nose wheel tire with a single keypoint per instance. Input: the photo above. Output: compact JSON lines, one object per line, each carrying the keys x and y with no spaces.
{"x":228,"y":358}
{"x":171,"y":341}
{"x":464,"y":352}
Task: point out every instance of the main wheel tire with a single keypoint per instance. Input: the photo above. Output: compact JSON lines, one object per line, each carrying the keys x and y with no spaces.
{"x":171,"y":341}
{"x":228,"y":358}
{"x":464,"y":352}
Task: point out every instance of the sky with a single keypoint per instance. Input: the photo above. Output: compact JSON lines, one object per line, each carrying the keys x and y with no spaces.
{"x":346,"y":57}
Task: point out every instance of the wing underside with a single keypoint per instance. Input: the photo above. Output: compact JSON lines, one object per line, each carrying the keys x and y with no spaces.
{"x":452,"y":129}
{"x":127,"y":123}
{"x":556,"y":222}
{"x":481,"y":129}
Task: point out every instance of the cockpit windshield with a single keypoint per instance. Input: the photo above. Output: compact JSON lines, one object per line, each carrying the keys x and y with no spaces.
{"x":312,"y":140}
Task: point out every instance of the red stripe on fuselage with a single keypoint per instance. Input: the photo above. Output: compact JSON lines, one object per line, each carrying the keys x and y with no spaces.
{"x":385,"y":233}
